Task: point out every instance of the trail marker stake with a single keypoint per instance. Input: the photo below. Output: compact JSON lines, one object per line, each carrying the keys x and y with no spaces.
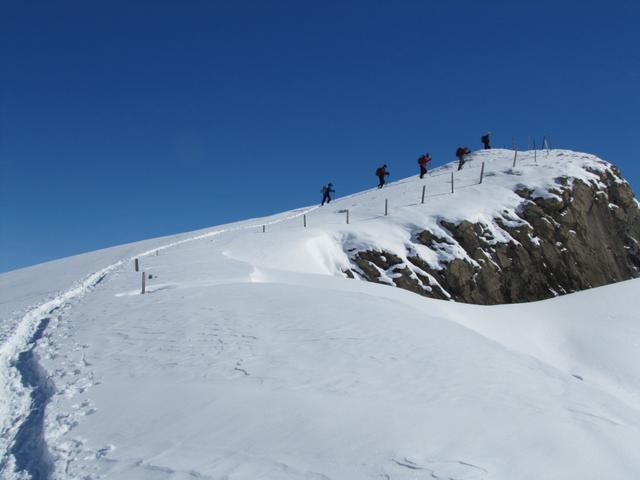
{"x":386,"y":207}
{"x":347,"y":216}
{"x":264,"y":228}
{"x":481,"y":172}
{"x":136,"y":265}
{"x":143,"y":283}
{"x":535,"y":151}
{"x":304,"y":219}
{"x":424,"y":189}
{"x":451,"y":182}
{"x":515,"y":156}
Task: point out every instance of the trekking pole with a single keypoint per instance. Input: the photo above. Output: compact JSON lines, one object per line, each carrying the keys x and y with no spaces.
{"x":481,"y":172}
{"x":386,"y":207}
{"x":451,"y":182}
{"x":424,"y":189}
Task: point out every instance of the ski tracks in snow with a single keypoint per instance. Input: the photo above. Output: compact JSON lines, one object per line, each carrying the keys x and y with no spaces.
{"x":17,"y":335}
{"x":406,"y":468}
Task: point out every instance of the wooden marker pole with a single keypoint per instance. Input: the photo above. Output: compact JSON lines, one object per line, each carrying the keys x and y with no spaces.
{"x":144,"y":277}
{"x":515,"y":156}
{"x":304,"y":219}
{"x":347,"y":216}
{"x":386,"y":207}
{"x":451,"y":182}
{"x":424,"y":189}
{"x":136,"y":265}
{"x":264,"y":228}
{"x":481,"y":172}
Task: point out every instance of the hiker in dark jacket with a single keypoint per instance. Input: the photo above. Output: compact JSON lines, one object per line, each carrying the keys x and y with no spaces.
{"x":381,"y":173}
{"x":326,"y":191}
{"x":461,"y":152}
{"x":485,"y":141}
{"x":422,"y":161}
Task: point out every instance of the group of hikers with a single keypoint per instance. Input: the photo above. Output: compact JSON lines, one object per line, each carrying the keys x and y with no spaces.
{"x":423,"y":160}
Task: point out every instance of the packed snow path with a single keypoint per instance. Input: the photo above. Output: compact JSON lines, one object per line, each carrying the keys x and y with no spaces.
{"x":242,"y":362}
{"x":29,"y":449}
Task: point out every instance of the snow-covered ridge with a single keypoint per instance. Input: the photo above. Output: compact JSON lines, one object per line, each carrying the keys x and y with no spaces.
{"x":470,"y":201}
{"x":525,"y":233}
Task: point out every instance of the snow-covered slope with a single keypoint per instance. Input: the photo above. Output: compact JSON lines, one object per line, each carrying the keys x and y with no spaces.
{"x":554,"y":224}
{"x":252,"y":356}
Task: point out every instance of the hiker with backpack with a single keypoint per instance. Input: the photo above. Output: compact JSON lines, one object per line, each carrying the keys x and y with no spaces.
{"x":485,"y":141}
{"x":381,"y":173}
{"x":326,"y":191}
{"x":422,"y":161}
{"x":461,"y":152}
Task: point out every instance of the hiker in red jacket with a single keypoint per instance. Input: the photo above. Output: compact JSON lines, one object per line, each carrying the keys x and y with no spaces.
{"x":381,"y":173}
{"x":422,"y":161}
{"x":460,"y":153}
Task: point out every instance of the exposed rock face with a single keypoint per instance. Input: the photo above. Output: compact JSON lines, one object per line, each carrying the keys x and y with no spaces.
{"x":586,"y":236}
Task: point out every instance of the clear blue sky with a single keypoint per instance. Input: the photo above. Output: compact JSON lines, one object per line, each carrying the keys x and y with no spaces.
{"x":124,"y":120}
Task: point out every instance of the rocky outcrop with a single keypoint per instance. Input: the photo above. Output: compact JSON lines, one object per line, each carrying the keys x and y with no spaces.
{"x":582,"y":236}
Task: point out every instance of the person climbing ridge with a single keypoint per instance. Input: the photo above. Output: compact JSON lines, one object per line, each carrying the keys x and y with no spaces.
{"x":461,"y":152}
{"x":485,"y":141}
{"x":326,"y":191}
{"x":381,"y":173}
{"x":422,"y":161}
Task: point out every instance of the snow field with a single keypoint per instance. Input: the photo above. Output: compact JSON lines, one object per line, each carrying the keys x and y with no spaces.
{"x":252,"y":357}
{"x":18,"y":327}
{"x":309,"y":376}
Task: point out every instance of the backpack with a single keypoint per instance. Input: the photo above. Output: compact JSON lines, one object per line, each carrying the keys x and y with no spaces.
{"x":379,"y":172}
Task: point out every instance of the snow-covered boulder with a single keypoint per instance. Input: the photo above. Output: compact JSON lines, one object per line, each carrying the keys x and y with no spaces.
{"x":579,"y":231}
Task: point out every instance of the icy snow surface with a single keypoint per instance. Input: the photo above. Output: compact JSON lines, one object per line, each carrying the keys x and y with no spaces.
{"x":251,"y":356}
